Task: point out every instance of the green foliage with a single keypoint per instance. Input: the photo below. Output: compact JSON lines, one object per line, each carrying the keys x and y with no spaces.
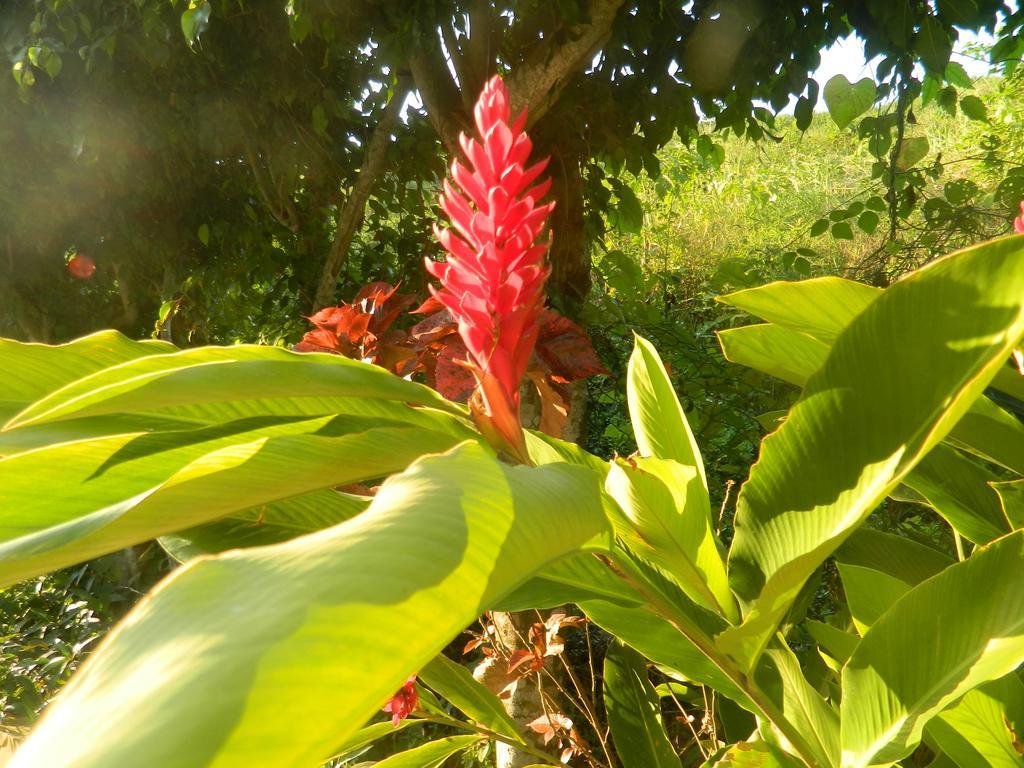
{"x":213,"y":162}
{"x":904,"y":672}
{"x":334,"y":621}
{"x":214,"y":217}
{"x":51,"y":624}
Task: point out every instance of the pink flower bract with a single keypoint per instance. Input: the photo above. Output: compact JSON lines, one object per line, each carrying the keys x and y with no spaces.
{"x":404,"y":702}
{"x":493,"y":279}
{"x":1018,"y":223}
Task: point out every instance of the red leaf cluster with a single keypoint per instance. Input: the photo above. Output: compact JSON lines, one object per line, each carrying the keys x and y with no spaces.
{"x":362,"y":329}
{"x":563,"y":354}
{"x":434,"y":349}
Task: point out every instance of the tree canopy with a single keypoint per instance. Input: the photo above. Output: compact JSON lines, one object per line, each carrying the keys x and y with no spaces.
{"x":231,"y":165}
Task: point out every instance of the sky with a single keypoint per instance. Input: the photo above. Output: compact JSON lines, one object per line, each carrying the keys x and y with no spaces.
{"x":847,"y":58}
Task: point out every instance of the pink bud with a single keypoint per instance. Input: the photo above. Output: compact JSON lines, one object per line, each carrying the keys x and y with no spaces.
{"x":493,"y":279}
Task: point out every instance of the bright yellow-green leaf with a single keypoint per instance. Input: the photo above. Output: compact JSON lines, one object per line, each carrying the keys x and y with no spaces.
{"x":949,"y":634}
{"x":273,"y":656}
{"x":224,"y":375}
{"x":456,"y":684}
{"x":659,"y":424}
{"x":865,"y":419}
{"x":30,"y":371}
{"x":666,"y":505}
{"x":67,"y":503}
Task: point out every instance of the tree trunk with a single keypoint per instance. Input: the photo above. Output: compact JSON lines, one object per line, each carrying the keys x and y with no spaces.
{"x":524,"y":704}
{"x":569,"y":256}
{"x":350,"y":215}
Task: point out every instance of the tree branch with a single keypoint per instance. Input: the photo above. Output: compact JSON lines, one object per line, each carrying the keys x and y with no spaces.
{"x":350,"y":215}
{"x":285,"y":213}
{"x":537,"y":82}
{"x":440,"y":96}
{"x":458,"y":61}
{"x":479,"y":54}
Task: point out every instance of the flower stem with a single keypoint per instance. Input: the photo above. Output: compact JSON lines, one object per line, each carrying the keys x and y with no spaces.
{"x":524,"y":746}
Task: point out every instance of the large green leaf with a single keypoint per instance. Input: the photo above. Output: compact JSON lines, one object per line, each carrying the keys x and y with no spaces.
{"x":992,"y":433}
{"x":865,"y":419}
{"x":781,"y":678}
{"x":659,"y":641}
{"x":572,"y":580}
{"x":954,"y":631}
{"x":981,"y":730}
{"x":775,"y":350}
{"x":666,"y":505}
{"x":1010,"y":381}
{"x":960,"y":490}
{"x":71,"y":502}
{"x":634,"y":712}
{"x":361,"y":740}
{"x":272,"y":656}
{"x":835,"y":642}
{"x":954,"y":485}
{"x":1011,"y":499}
{"x":751,"y":754}
{"x":659,"y":424}
{"x":224,"y":375}
{"x":456,"y":683}
{"x":777,"y":691}
{"x":40,"y":435}
{"x":878,"y":568}
{"x":821,"y":309}
{"x":431,"y":754}
{"x":265,"y":524}
{"x":30,"y":371}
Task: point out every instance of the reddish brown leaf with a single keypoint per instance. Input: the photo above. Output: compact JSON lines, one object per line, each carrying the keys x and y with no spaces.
{"x":356,"y":327}
{"x":451,"y":377}
{"x":523,"y":662}
{"x":428,"y":307}
{"x":554,"y":411}
{"x":398,"y":359}
{"x":377,"y":293}
{"x":327,"y":317}
{"x":384,"y":304}
{"x":566,"y":349}
{"x":319,"y":340}
{"x":434,"y":327}
{"x":551,"y":723}
{"x":539,"y":639}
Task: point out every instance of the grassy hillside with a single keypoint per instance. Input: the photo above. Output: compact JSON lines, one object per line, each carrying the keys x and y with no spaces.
{"x":764,"y":197}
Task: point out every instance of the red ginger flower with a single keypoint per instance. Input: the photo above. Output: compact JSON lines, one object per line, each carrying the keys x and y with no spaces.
{"x":404,"y":702}
{"x":493,"y":279}
{"x":1018,"y":223}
